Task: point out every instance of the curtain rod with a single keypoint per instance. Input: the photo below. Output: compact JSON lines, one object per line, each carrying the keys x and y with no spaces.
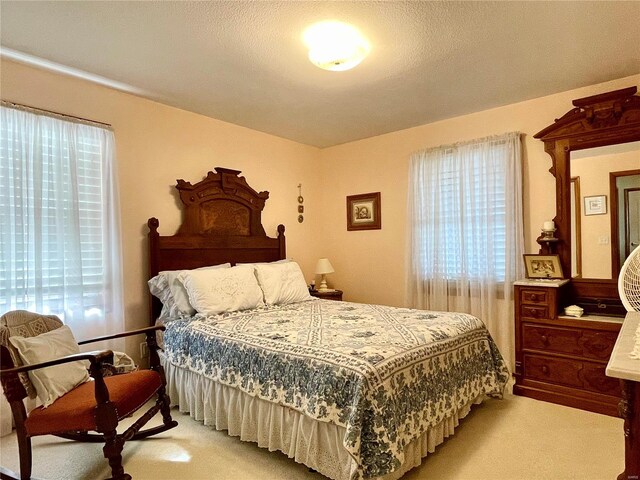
{"x":476,"y":141}
{"x":50,"y":113}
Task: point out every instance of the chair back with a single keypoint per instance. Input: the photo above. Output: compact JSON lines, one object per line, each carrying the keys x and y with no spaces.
{"x":25,"y":324}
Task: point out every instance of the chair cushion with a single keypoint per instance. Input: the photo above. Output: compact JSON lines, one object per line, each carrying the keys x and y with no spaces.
{"x":53,"y":382}
{"x":75,"y":411}
{"x":25,"y":324}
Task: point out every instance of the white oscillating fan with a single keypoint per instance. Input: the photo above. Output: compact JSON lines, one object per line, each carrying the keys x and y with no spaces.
{"x":629,"y":282}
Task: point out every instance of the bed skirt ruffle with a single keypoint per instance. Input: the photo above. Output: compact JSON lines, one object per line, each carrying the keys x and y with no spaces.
{"x":317,"y":445}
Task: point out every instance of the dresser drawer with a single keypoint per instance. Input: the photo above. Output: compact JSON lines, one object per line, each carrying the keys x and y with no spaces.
{"x":598,"y":345}
{"x":571,"y":373}
{"x":560,"y":371}
{"x":551,"y":339}
{"x":595,"y":379}
{"x":534,"y":311}
{"x":534,"y":296}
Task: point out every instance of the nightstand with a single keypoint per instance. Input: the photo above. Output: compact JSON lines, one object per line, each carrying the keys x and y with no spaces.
{"x":333,"y":295}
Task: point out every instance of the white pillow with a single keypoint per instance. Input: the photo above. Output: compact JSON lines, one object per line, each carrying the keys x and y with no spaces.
{"x":171,"y":292}
{"x":52,"y":382}
{"x":159,"y":287}
{"x":282,"y":283}
{"x":284,"y":260}
{"x":223,"y":290}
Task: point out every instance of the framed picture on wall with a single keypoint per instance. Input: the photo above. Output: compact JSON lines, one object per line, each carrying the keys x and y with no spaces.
{"x":595,"y":205}
{"x":363,"y":212}
{"x":543,"y":266}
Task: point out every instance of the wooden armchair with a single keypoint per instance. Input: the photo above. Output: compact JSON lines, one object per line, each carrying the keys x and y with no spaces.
{"x":96,"y":405}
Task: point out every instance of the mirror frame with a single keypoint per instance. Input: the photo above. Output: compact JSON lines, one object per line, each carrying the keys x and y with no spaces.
{"x":596,"y":121}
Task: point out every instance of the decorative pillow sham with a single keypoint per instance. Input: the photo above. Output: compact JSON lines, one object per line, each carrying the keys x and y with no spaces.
{"x":222,"y":290}
{"x":282,"y":283}
{"x":52,"y":382}
{"x":172,"y":293}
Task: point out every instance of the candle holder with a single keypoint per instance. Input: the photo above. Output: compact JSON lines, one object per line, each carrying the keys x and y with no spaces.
{"x":548,"y":241}
{"x":548,"y":233}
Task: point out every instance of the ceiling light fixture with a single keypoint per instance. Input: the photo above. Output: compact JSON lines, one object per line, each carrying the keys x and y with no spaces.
{"x":334,"y":45}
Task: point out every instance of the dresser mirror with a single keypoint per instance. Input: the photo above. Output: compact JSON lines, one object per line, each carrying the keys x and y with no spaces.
{"x":605,"y":208}
{"x":595,"y":152}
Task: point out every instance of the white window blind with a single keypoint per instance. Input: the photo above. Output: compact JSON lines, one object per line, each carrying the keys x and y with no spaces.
{"x":59,"y":228}
{"x":472,"y":218}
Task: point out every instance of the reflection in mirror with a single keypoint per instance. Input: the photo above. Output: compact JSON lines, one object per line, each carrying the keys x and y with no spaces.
{"x":576,"y":229}
{"x":605,"y":214}
{"x":627,"y":193}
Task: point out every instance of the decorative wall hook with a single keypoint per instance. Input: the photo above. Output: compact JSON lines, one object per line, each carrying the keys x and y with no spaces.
{"x":300,"y":206}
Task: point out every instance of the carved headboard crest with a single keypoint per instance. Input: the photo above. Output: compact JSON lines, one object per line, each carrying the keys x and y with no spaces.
{"x":222,"y":223}
{"x":221,"y":204}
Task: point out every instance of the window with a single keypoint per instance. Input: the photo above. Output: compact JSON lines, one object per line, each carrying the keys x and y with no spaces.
{"x":472,"y":217}
{"x":59,"y":245}
{"x":461,"y":214}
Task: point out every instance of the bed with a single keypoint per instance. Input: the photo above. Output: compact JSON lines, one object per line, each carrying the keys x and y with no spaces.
{"x":350,"y":390}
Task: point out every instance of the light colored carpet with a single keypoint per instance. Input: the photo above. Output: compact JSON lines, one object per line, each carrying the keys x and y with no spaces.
{"x":511,"y":439}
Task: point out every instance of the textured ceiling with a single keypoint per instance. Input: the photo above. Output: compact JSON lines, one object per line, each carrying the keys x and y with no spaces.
{"x":244,"y":62}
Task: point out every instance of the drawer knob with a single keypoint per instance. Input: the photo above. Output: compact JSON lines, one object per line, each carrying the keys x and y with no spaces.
{"x":545,"y":369}
{"x":534,"y":297}
{"x":545,"y":339}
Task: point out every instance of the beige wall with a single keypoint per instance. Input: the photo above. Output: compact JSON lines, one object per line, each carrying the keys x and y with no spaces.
{"x":370,"y":265}
{"x":595,"y":229}
{"x":156,"y":145}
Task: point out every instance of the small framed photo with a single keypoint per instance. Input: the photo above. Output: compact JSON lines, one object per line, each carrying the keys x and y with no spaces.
{"x":595,"y":205}
{"x":363,"y":212}
{"x":543,"y":266}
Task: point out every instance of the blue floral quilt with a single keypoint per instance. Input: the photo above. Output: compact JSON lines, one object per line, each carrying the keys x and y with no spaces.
{"x":385,"y":374}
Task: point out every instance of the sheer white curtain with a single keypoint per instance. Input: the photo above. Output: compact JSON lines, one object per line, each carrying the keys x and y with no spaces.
{"x":466,"y":231}
{"x":59,"y":221}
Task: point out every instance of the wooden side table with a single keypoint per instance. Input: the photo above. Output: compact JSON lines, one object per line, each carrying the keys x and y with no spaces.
{"x":332,"y":295}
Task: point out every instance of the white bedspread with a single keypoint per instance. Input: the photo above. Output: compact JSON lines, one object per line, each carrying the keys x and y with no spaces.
{"x":386,"y":375}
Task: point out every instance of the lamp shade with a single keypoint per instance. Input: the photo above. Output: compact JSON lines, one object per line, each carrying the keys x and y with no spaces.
{"x":334,"y":45}
{"x":324,"y":266}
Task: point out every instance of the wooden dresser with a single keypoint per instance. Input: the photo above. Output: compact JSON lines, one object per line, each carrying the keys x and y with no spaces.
{"x":562,"y":359}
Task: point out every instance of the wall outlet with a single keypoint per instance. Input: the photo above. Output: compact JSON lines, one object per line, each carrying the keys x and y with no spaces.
{"x":144,"y":350}
{"x":603,"y":240}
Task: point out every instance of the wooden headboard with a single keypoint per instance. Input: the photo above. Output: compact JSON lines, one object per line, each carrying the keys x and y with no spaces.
{"x":222,"y":223}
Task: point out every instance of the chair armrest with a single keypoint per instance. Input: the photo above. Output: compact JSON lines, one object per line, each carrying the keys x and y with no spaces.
{"x":96,"y":358}
{"x":124,"y":334}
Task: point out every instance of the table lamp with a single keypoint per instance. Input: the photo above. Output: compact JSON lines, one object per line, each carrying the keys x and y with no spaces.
{"x":322,"y":268}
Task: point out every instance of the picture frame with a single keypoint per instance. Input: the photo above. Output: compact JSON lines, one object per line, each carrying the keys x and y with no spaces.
{"x":595,"y":205}
{"x":543,"y":266}
{"x":363,"y":212}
